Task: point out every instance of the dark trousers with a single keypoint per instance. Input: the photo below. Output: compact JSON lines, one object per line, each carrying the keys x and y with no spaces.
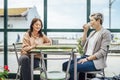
{"x":25,"y":62}
{"x":81,"y":68}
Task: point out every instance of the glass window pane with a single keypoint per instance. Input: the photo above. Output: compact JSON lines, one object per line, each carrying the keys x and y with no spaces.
{"x":1,"y":12}
{"x":1,"y":22}
{"x":111,"y":15}
{"x":115,"y":38}
{"x":12,"y":62}
{"x":115,"y":14}
{"x":66,"y":14}
{"x":13,"y":37}
{"x":1,"y":49}
{"x":115,"y":43}
{"x":22,"y":12}
{"x":102,"y":7}
{"x":65,"y":37}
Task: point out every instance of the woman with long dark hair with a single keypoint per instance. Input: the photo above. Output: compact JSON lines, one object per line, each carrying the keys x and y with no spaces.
{"x":31,"y":39}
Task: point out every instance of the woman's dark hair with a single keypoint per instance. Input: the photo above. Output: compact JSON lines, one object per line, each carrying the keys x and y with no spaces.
{"x":31,"y":27}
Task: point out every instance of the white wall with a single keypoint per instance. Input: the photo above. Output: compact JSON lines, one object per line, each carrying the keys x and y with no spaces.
{"x":18,"y":23}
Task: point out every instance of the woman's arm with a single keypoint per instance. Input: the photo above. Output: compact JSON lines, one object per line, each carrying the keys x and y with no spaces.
{"x":47,"y":41}
{"x":26,"y":44}
{"x":84,"y":37}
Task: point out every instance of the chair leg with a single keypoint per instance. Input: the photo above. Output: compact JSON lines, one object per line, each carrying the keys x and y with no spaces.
{"x":78,"y":75}
{"x":85,"y":76}
{"x":18,"y":73}
{"x":103,"y":74}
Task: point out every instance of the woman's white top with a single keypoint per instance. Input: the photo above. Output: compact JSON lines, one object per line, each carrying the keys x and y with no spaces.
{"x":91,"y":43}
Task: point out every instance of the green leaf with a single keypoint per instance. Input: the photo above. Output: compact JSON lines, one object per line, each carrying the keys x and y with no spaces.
{"x":80,"y":47}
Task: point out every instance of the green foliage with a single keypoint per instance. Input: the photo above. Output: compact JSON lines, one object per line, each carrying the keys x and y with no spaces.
{"x":116,"y":38}
{"x":4,"y":73}
{"x":80,"y":47}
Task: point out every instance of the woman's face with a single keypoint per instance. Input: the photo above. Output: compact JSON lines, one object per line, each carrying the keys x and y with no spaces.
{"x":37,"y":26}
{"x":93,"y":22}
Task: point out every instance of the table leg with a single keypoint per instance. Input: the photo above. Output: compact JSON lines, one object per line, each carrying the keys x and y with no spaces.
{"x":68,"y":67}
{"x":75,"y":67}
{"x":44,"y":67}
{"x":32,"y":66}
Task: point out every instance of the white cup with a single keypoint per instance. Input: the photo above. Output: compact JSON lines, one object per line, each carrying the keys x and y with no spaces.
{"x":89,"y":25}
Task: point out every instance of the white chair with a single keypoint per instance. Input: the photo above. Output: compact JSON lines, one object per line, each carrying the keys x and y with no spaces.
{"x":17,"y":48}
{"x":99,"y":72}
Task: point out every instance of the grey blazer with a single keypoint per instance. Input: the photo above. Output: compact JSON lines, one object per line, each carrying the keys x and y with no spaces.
{"x":100,"y":47}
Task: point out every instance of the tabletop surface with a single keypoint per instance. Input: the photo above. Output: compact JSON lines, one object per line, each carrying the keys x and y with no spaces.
{"x":56,"y":47}
{"x":53,"y":48}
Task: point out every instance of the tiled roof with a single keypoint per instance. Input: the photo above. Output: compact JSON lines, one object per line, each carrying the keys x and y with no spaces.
{"x":15,"y":11}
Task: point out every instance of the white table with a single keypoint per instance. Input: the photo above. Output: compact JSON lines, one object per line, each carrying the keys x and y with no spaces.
{"x":54,"y":50}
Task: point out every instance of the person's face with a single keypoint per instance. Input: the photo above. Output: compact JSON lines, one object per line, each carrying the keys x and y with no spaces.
{"x":93,"y":22}
{"x":37,"y":26}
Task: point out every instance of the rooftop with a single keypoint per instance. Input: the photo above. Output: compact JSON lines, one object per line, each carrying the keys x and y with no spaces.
{"x":15,"y":12}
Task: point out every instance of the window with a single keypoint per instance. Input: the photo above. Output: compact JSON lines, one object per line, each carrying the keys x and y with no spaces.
{"x":10,"y":25}
{"x":111,"y":18}
{"x":66,"y":14}
{"x":1,"y":48}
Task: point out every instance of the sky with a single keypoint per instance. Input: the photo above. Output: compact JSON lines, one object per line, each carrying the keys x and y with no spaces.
{"x":69,"y":13}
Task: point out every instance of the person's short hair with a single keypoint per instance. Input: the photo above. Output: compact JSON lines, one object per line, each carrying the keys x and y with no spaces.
{"x":98,"y":16}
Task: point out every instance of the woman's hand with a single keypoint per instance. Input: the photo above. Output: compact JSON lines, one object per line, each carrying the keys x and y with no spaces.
{"x":86,"y":27}
{"x":82,"y":60}
{"x":33,"y":46}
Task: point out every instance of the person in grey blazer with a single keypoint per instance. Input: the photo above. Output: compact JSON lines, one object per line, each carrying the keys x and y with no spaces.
{"x":95,"y":47}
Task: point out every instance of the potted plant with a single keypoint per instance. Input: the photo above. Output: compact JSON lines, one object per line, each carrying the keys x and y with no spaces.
{"x":80,"y":47}
{"x":4,"y":72}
